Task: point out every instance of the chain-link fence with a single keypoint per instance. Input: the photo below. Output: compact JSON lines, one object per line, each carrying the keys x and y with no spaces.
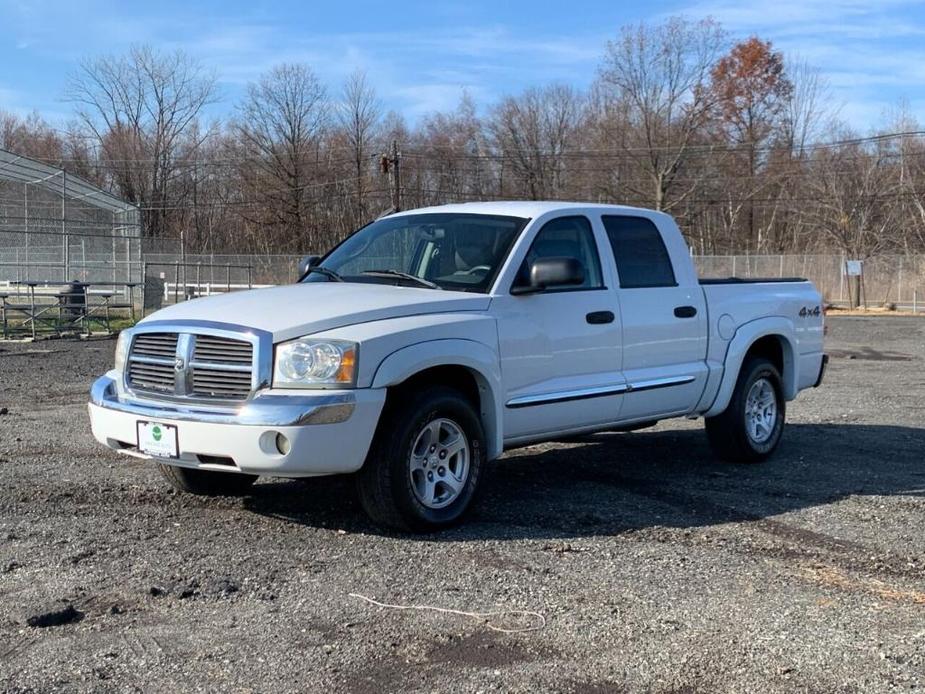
{"x":169,"y":275}
{"x":64,"y":258}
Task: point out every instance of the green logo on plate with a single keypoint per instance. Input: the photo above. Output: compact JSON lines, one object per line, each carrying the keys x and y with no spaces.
{"x":156,"y":433}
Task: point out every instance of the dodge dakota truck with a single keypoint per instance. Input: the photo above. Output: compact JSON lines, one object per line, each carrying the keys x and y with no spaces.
{"x":428,"y":342}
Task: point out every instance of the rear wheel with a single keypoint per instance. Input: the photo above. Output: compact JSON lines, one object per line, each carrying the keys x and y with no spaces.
{"x":207,"y":482}
{"x":425,"y":463}
{"x":750,"y":428}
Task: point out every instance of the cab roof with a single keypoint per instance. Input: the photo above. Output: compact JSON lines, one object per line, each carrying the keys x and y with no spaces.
{"x":523,"y":208}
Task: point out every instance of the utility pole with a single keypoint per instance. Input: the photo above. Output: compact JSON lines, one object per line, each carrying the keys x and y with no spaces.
{"x":391,"y":164}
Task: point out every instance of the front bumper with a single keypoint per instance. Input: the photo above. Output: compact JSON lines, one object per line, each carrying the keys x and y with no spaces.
{"x":329,"y":431}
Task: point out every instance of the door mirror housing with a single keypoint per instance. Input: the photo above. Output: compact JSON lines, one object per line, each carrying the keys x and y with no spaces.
{"x":308,"y":261}
{"x":549,"y":273}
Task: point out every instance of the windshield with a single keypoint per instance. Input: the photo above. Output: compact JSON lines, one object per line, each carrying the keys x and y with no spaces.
{"x":462,"y":252}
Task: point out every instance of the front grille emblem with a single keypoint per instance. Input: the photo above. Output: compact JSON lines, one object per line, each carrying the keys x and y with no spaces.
{"x":179,"y":364}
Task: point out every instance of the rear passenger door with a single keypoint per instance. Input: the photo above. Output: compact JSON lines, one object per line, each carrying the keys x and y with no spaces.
{"x":664,"y":322}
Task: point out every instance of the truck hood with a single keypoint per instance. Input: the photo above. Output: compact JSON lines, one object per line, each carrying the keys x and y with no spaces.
{"x":302,"y":309}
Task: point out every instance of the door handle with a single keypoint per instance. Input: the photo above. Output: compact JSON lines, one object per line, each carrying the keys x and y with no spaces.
{"x":685,"y":311}
{"x":599,"y":317}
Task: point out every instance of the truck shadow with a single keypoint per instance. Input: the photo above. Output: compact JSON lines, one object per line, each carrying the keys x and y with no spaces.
{"x":617,"y":483}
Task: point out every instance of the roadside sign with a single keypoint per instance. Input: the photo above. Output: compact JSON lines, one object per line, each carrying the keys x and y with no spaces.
{"x":854,"y":268}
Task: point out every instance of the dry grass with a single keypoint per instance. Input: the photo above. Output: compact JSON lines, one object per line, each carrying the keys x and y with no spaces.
{"x":831,"y":577}
{"x":873,"y":311}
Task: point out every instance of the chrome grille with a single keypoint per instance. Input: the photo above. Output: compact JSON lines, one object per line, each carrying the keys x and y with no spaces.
{"x":230,"y":385}
{"x":208,"y":367}
{"x":222,"y":350}
{"x":156,"y":345}
{"x":156,"y":377}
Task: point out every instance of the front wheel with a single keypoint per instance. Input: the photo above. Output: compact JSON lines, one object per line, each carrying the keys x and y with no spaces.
{"x":750,"y":428}
{"x":425,"y":464}
{"x":207,"y":482}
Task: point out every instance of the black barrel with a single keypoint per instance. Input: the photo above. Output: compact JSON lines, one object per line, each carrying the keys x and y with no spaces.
{"x":73,"y":301}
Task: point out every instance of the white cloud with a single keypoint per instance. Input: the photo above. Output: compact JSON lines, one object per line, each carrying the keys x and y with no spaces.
{"x":414,"y":72}
{"x":869,"y":52}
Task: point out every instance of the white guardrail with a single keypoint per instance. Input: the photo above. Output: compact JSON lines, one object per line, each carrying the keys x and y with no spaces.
{"x":194,"y":289}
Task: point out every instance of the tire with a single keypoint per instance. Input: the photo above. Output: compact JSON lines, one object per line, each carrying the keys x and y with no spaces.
{"x":207,"y":482}
{"x":393,"y":484}
{"x":744,"y":432}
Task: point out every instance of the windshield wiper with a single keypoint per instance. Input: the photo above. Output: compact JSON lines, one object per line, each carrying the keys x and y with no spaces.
{"x":327,"y":272}
{"x":403,"y":275}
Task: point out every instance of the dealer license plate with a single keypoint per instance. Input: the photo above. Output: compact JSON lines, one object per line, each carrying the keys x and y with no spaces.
{"x":158,"y":439}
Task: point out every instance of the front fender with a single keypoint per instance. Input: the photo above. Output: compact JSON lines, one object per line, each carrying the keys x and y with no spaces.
{"x":738,"y":347}
{"x":482,"y":361}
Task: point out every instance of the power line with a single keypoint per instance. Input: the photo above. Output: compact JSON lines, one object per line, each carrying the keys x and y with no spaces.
{"x":417,"y":149}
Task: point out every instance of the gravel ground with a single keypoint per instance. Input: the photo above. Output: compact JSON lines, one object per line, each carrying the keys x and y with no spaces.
{"x":656,"y":568}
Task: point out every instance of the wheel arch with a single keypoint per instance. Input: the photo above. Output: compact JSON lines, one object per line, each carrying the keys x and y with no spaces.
{"x":468,"y":366}
{"x":770,"y":338}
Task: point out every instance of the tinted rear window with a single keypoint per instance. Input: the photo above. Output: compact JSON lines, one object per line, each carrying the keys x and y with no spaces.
{"x":642,"y":259}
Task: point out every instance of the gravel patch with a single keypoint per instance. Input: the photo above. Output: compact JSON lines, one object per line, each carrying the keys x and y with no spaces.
{"x":656,"y":568}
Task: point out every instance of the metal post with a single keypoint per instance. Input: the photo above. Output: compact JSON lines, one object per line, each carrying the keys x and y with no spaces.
{"x":144,"y":285}
{"x":183,"y":258}
{"x":841,"y":281}
{"x":899,"y":288}
{"x":227,"y":277}
{"x":67,"y":240}
{"x":32,"y":307}
{"x":176,"y":284}
{"x":250,"y":284}
{"x":86,"y":310}
{"x":781,"y":271}
{"x":198,"y":278}
{"x":25,"y":213}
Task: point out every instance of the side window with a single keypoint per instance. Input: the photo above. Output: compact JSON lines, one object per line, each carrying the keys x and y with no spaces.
{"x":642,"y":259}
{"x":565,"y":237}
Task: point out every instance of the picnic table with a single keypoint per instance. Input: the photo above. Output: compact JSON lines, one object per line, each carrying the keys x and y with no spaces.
{"x":77,"y":307}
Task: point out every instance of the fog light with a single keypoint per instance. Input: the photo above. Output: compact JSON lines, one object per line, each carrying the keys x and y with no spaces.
{"x":282,"y":444}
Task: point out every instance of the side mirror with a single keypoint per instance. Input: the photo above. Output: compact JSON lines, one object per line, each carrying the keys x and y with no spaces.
{"x":308,"y":261}
{"x":553,"y":272}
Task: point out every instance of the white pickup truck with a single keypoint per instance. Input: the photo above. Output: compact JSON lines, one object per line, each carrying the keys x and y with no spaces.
{"x":430,"y":341}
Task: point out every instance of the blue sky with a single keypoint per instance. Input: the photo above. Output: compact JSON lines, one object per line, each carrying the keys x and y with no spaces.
{"x":421,"y":55}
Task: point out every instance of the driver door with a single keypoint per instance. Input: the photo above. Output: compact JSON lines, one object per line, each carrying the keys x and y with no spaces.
{"x":561,"y":347}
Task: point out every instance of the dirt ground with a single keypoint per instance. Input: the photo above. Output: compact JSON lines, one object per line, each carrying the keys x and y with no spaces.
{"x":656,"y":568}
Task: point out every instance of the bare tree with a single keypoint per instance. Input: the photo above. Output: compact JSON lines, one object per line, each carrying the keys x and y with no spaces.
{"x":658,"y":76}
{"x":141,"y":109}
{"x":532,"y":133}
{"x":358,"y":115}
{"x":451,"y":156}
{"x":740,"y":145}
{"x":31,"y":136}
{"x":856,"y":192}
{"x":280,"y":126}
{"x":808,"y":106}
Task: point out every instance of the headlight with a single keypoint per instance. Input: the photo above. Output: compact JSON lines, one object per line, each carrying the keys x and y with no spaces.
{"x":308,"y":363}
{"x":122,"y":350}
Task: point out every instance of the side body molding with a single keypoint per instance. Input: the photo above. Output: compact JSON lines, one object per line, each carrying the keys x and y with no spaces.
{"x":738,"y":347}
{"x":482,"y":361}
